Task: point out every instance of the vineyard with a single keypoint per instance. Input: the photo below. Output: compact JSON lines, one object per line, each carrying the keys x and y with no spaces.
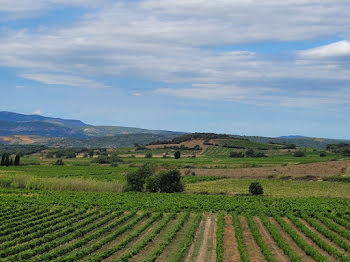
{"x":217,"y":151}
{"x":70,"y":234}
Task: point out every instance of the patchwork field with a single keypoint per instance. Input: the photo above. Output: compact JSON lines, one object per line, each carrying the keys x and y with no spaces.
{"x":62,"y":204}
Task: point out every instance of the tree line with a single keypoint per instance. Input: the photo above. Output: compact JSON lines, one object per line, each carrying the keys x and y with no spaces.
{"x":7,"y":160}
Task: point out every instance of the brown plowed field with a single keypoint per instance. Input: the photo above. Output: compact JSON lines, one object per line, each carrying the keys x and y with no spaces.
{"x":323,"y":169}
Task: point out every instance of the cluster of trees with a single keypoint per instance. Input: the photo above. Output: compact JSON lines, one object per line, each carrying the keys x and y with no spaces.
{"x":341,"y":148}
{"x":188,"y":137}
{"x":70,"y":152}
{"x":21,"y":150}
{"x":248,"y":153}
{"x":146,"y":179}
{"x":232,"y":146}
{"x":183,"y":147}
{"x":104,"y":158}
{"x":7,"y":160}
{"x":299,"y":153}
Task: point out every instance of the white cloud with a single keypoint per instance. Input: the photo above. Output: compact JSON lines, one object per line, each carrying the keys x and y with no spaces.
{"x":335,"y":50}
{"x":168,"y":41}
{"x":261,"y":96}
{"x":68,"y":80}
{"x":37,"y":112}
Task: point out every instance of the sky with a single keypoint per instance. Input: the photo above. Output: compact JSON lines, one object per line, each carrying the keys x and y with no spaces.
{"x":246,"y":67}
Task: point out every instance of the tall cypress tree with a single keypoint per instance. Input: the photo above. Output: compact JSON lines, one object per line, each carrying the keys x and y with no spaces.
{"x":11,"y":161}
{"x":7,"y":160}
{"x":3,"y":159}
{"x":17,"y":158}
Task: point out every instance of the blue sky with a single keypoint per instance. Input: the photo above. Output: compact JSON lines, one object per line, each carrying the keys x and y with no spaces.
{"x":267,"y":68}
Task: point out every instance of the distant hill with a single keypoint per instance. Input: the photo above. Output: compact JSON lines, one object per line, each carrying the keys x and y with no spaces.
{"x":38,"y":128}
{"x":124,"y":140}
{"x":12,"y":124}
{"x":292,"y":136}
{"x":15,"y":117}
{"x":301,"y":141}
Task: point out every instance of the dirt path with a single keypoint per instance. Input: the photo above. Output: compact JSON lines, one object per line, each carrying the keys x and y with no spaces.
{"x":212,"y":237}
{"x":329,"y":242}
{"x":203,"y":249}
{"x":253,"y":249}
{"x":309,"y":241}
{"x":265,"y":235}
{"x":291,"y":242}
{"x":196,"y":238}
{"x":231,"y":253}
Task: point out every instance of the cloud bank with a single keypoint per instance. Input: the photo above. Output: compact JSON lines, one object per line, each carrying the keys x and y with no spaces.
{"x":196,"y":43}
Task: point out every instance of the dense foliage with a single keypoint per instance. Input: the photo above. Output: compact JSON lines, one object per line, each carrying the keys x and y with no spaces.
{"x":256,"y":188}
{"x":177,"y":202}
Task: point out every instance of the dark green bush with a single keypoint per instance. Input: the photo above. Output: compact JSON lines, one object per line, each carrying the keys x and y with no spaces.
{"x":250,"y":153}
{"x":148,"y":155}
{"x":177,"y":154}
{"x":235,"y":154}
{"x":135,"y":180}
{"x":299,"y":154}
{"x":170,"y":181}
{"x":256,"y":188}
{"x":152,"y":184}
{"x":59,"y":162}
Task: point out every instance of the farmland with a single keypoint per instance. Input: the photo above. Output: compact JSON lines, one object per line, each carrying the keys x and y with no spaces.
{"x":80,"y":211}
{"x":107,"y":227}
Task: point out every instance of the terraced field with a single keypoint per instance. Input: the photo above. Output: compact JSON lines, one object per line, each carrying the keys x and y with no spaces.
{"x":217,"y":151}
{"x":71,"y":234}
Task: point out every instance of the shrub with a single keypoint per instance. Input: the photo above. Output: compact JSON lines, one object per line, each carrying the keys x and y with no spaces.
{"x":49,"y":155}
{"x":170,"y":181}
{"x":323,"y":154}
{"x":136,"y":180}
{"x":299,"y":154}
{"x":256,"y":188}
{"x":260,"y":154}
{"x":104,"y":158}
{"x":250,"y":153}
{"x":152,"y":184}
{"x":236,"y":154}
{"x":59,"y":162}
{"x":101,"y":159}
{"x":346,"y":152}
{"x":290,"y":146}
{"x":148,"y":155}
{"x":177,"y":154}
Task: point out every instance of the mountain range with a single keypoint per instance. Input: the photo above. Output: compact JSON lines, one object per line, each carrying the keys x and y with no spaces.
{"x":37,"y":125}
{"x":36,"y":129}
